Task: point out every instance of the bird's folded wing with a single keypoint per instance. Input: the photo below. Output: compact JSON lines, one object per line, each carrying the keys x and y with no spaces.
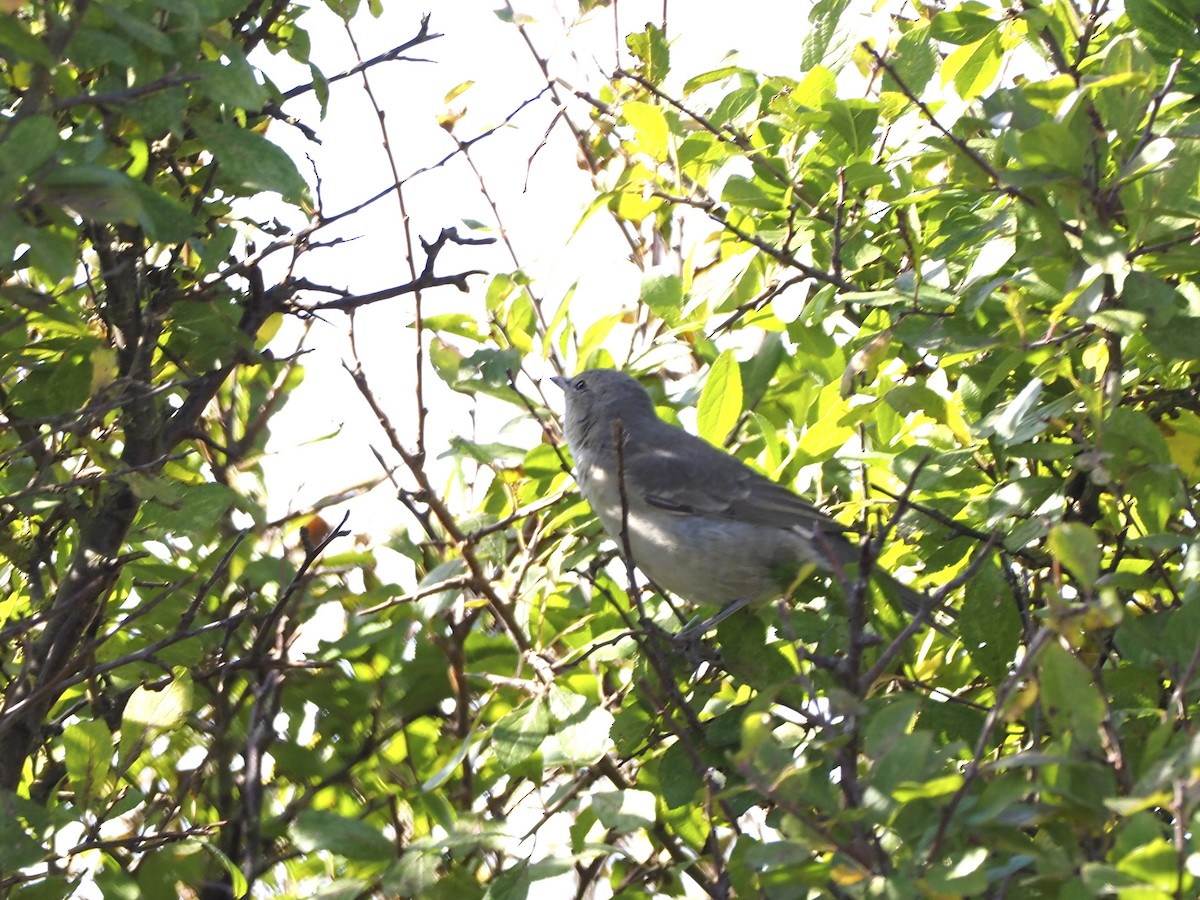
{"x":695,"y":478}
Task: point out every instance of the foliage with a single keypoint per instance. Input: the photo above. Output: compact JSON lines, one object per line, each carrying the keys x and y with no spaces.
{"x":945,"y":281}
{"x":147,"y":604}
{"x":963,"y":259}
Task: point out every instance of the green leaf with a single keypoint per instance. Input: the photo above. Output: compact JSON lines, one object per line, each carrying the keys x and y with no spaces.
{"x":910,"y":398}
{"x":662,"y":292}
{"x":237,"y":880}
{"x":208,"y":332}
{"x":962,"y":875}
{"x":927,"y":790}
{"x":1164,"y":23}
{"x":414,"y":875}
{"x":974,"y":68}
{"x":517,"y":882}
{"x":722,"y":74}
{"x":678,"y":780}
{"x":338,"y":889}
{"x":156,"y":711}
{"x":581,"y":730}
{"x":721,"y":400}
{"x":1154,"y":863}
{"x":828,"y":41}
{"x":230,"y":81}
{"x":816,"y":88}
{"x":520,"y":734}
{"x":450,"y":765}
{"x":499,"y":289}
{"x":138,"y":29}
{"x":316,"y":829}
{"x":1019,"y":420}
{"x":990,"y":623}
{"x":93,"y":47}
{"x":750,"y":193}
{"x":631,"y":726}
{"x":320,"y":88}
{"x":32,"y":141}
{"x":650,"y":46}
{"x":57,"y":385}
{"x":24,"y":45}
{"x":52,"y":253}
{"x":624,"y":811}
{"x":854,"y":122}
{"x":832,"y":428}
{"x":17,"y":848}
{"x":1182,"y":436}
{"x":250,"y":163}
{"x":196,"y":509}
{"x":735,"y":103}
{"x":961,"y":27}
{"x":1077,"y":547}
{"x":89,"y":750}
{"x":1069,"y":696}
{"x":1106,"y":881}
{"x":743,"y":642}
{"x":1122,"y":95}
{"x":164,"y":218}
{"x":889,"y":721}
{"x":906,"y":761}
{"x":486,"y":454}
{"x":347,"y":9}
{"x":761,"y":368}
{"x":914,"y":61}
{"x":1177,"y":641}
{"x":1133,"y":443}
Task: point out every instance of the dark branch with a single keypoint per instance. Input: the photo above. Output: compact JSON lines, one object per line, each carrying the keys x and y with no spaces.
{"x":427,"y":278}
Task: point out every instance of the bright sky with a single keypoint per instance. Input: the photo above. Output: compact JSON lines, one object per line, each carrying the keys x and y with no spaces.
{"x":540,"y":202}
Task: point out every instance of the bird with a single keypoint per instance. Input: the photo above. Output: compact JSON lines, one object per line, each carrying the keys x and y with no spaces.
{"x":699,"y":522}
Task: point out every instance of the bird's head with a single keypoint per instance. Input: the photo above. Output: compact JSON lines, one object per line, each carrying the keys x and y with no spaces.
{"x":595,"y":400}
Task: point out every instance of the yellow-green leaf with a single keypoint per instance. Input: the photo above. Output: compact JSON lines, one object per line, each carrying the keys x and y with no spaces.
{"x":150,"y":713}
{"x":649,"y":126}
{"x":721,"y":400}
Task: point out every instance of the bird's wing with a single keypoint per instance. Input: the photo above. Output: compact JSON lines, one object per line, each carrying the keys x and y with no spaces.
{"x":678,"y":472}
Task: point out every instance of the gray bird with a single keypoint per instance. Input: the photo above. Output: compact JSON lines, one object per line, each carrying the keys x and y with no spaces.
{"x":701,"y":523}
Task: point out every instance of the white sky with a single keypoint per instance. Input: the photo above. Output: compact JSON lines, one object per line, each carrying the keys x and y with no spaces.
{"x":540,"y":203}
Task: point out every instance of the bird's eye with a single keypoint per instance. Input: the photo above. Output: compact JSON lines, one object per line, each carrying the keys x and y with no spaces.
{"x":581,"y":385}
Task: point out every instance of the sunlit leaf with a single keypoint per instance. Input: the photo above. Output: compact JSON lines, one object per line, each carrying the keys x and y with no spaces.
{"x":624,"y":811}
{"x":152,"y":712}
{"x":650,"y":128}
{"x":651,"y":48}
{"x":520,"y":733}
{"x":721,"y":400}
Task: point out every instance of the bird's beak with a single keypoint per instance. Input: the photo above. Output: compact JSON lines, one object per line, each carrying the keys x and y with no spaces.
{"x":560,"y":381}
